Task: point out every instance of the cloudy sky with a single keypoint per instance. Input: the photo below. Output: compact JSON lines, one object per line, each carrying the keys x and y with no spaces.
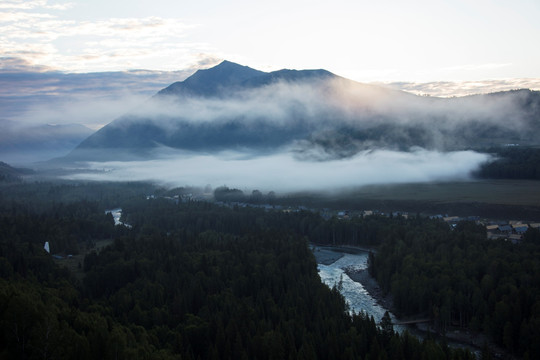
{"x":389,"y":40}
{"x":436,"y":47}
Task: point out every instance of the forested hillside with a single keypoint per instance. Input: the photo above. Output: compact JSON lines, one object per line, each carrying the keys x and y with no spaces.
{"x":187,"y":281}
{"x":461,"y":279}
{"x":512,"y":163}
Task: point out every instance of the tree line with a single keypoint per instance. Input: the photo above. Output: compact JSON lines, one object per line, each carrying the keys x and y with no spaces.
{"x":512,"y":163}
{"x":459,"y":278}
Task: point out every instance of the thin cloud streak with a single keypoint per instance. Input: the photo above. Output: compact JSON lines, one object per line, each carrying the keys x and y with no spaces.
{"x":476,"y":67}
{"x":32,"y":4}
{"x":464,"y":88}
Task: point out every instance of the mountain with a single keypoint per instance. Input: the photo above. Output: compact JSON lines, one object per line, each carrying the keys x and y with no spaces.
{"x":211,"y":82}
{"x":314,"y":113}
{"x":31,"y":143}
{"x":10,"y":173}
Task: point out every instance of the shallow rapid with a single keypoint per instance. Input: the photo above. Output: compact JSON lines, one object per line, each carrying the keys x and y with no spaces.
{"x":355,"y":295}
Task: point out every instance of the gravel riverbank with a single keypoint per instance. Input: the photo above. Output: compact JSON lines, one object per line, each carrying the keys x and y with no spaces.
{"x":371,"y":286}
{"x":326,"y":256}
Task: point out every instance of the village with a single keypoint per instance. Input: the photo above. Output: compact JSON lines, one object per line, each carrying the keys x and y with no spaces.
{"x":509,"y":230}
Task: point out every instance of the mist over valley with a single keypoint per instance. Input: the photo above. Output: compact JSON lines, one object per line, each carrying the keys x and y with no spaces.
{"x":302,"y":129}
{"x":286,"y":131}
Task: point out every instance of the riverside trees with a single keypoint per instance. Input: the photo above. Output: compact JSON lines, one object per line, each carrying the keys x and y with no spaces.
{"x":460,"y":278}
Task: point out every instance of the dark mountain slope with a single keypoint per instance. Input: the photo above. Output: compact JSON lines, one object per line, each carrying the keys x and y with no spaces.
{"x":139,"y":133}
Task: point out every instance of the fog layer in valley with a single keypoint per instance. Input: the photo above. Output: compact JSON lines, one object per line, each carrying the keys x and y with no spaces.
{"x":283,"y":172}
{"x":318,"y":133}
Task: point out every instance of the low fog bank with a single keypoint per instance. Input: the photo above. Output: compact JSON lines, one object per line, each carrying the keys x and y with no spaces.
{"x":285,"y":173}
{"x":325,"y":102}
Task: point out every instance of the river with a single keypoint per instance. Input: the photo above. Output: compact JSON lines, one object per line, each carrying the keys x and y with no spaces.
{"x":355,"y":295}
{"x":331,"y":263}
{"x":117,"y":214}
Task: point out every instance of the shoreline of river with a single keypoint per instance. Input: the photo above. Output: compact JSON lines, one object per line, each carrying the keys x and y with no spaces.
{"x":329,"y":254}
{"x":371,"y":285}
{"x":326,"y":256}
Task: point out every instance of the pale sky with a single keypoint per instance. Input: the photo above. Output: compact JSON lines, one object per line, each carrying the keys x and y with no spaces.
{"x":367,"y":41}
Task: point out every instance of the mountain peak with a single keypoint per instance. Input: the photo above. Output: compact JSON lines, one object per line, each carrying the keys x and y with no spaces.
{"x":227,"y":76}
{"x":228,"y":64}
{"x":208,"y":82}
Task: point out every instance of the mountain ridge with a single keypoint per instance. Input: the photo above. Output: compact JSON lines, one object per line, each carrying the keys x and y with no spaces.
{"x":29,"y":143}
{"x":314,"y":113}
{"x":207,"y":82}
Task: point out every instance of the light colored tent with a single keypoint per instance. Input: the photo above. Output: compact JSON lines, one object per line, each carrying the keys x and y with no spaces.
{"x":46,"y":247}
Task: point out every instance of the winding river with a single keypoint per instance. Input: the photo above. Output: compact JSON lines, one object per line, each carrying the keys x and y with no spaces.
{"x":331,"y":265}
{"x":356,"y":296}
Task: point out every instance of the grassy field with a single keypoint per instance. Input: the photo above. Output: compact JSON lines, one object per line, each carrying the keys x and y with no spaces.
{"x":503,"y":192}
{"x":495,"y":199}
